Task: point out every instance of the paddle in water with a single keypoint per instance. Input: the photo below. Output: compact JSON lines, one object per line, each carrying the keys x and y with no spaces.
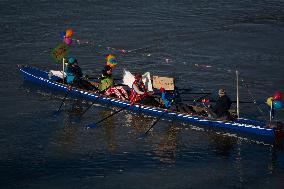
{"x":94,"y":125}
{"x":62,"y":102}
{"x":157,"y":120}
{"x":89,"y":107}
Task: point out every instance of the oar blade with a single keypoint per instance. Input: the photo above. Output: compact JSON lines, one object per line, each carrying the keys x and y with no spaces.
{"x":55,"y":114}
{"x":141,"y":137}
{"x":91,"y":126}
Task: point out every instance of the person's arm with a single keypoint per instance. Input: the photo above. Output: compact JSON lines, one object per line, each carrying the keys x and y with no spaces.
{"x":136,"y":89}
{"x":79,"y":72}
{"x":215,"y":107}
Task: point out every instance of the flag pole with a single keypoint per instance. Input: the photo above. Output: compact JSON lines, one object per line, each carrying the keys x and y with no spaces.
{"x":63,"y":65}
{"x":238,"y":102}
{"x":271,"y":113}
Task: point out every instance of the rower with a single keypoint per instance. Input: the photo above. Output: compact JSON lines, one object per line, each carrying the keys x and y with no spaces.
{"x":138,"y":91}
{"x":140,"y":94}
{"x":170,"y":99}
{"x":73,"y":71}
{"x":107,"y":85}
{"x":74,"y":75}
{"x":222,"y":106}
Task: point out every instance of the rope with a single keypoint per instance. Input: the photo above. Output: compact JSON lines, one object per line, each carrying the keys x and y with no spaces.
{"x":252,"y":97}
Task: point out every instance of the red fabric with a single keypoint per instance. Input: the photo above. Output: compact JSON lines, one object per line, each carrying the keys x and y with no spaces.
{"x":119,"y":92}
{"x":134,"y":96}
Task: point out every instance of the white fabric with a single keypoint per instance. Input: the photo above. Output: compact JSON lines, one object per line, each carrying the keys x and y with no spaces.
{"x":128,"y":79}
{"x":56,"y":73}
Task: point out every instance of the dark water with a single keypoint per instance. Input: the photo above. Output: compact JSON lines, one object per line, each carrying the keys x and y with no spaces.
{"x":166,"y":38}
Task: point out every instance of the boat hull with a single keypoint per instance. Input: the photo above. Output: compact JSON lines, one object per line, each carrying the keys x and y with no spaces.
{"x":242,"y":125}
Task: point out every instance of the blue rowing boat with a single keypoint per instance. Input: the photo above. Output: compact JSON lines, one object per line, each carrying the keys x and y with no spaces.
{"x":240,"y":125}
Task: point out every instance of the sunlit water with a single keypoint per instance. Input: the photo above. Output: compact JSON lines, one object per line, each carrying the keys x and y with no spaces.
{"x":199,"y":43}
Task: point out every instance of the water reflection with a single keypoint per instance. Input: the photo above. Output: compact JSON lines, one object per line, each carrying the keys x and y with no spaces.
{"x":163,"y":144}
{"x":139,"y":122}
{"x":274,"y":150}
{"x":66,"y":136}
{"x":165,"y":149}
{"x":109,"y":130}
{"x":222,"y":144}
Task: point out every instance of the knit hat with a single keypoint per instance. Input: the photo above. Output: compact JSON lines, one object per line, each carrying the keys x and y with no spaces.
{"x":138,"y":76}
{"x":222,"y":92}
{"x":72,"y":60}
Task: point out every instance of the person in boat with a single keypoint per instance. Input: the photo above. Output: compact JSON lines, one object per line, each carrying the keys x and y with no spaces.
{"x":74,"y":75}
{"x":107,"y":87}
{"x":222,"y":106}
{"x":168,"y":98}
{"x":139,"y":93}
{"x":171,"y":100}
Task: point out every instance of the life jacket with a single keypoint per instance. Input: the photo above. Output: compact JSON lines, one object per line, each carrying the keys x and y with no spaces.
{"x":106,"y":82}
{"x":134,"y":96}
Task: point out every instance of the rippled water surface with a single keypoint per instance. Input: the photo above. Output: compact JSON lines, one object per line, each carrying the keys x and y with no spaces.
{"x":199,"y":43}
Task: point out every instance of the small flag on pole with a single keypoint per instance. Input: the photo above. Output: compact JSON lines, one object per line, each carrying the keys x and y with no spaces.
{"x":60,"y":52}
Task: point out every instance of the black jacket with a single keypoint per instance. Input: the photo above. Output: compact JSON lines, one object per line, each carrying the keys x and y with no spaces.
{"x":222,"y":106}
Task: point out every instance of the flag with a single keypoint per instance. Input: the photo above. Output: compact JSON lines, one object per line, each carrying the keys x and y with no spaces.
{"x":60,"y":52}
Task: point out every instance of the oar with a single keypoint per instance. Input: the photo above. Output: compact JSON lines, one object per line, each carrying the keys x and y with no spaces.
{"x":66,"y":94}
{"x":155,"y":122}
{"x":209,"y":112}
{"x":205,"y":93}
{"x":244,"y":102}
{"x":93,"y":125}
{"x":92,"y":77}
{"x":89,"y":107}
{"x":100,"y":92}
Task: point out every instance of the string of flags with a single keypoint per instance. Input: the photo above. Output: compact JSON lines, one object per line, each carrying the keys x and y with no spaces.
{"x":63,"y":48}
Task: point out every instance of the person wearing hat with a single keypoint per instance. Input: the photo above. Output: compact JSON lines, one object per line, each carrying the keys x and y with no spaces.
{"x":222,"y":106}
{"x":73,"y":71}
{"x":139,"y":92}
{"x":74,"y":75}
{"x":107,"y":87}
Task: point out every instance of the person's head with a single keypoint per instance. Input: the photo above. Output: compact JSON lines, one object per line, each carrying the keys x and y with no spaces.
{"x":222,"y":92}
{"x":72,"y":61}
{"x":107,"y":70}
{"x":138,"y":77}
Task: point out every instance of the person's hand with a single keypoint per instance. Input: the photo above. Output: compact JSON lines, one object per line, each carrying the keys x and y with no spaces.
{"x":146,"y":93}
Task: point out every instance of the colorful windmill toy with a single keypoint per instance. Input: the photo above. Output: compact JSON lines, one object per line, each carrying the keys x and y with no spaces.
{"x":111,"y":60}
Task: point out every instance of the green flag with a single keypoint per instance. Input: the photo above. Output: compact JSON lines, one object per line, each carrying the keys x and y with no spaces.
{"x":60,"y":52}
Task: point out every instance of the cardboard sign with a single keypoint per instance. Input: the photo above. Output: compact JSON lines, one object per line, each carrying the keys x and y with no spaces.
{"x":166,"y":82}
{"x":60,"y":52}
